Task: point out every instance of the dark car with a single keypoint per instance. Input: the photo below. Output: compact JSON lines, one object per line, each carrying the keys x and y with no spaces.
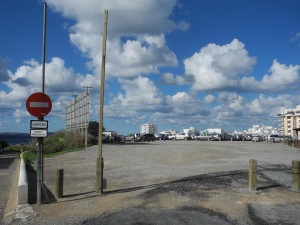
{"x":132,"y":137}
{"x":106,"y":139}
{"x":164,"y":137}
{"x":147,"y":137}
{"x":119,"y":139}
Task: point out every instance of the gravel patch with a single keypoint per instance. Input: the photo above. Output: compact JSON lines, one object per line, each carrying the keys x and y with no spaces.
{"x":171,"y":182}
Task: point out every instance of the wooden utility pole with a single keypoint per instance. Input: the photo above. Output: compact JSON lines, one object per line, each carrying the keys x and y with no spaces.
{"x":99,"y":162}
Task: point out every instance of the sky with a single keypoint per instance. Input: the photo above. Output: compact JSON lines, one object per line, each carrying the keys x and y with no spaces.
{"x":174,"y":63}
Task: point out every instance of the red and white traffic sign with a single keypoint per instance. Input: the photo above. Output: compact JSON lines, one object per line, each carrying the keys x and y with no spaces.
{"x":38,"y":104}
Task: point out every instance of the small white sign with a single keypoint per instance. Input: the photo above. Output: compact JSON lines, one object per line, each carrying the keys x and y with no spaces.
{"x":39,"y":124}
{"x":38,"y":133}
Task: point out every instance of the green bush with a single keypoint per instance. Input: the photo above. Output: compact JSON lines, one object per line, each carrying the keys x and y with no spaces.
{"x":60,"y":141}
{"x":19,"y":148}
{"x":92,"y":140}
{"x":3,"y":144}
{"x":56,"y":143}
{"x":29,"y":157}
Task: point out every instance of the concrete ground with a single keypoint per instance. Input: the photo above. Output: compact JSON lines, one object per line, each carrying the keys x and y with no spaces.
{"x":8,"y":171}
{"x":172,"y":182}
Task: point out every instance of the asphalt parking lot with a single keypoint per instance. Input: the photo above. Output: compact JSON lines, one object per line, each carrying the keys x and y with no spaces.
{"x":172,"y":182}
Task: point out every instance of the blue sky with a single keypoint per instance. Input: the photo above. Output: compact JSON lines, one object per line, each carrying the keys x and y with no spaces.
{"x":174,"y":63}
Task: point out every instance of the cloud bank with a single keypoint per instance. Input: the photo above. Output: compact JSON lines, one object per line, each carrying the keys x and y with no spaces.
{"x":218,"y":86}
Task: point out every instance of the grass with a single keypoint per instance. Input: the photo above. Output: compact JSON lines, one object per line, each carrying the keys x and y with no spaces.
{"x":29,"y":157}
{"x":56,"y":144}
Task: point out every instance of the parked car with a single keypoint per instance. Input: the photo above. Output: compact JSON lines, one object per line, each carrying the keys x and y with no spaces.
{"x":193,"y":136}
{"x":163,"y":137}
{"x":119,"y":139}
{"x":130,"y":137}
{"x":106,"y":139}
{"x":147,"y":137}
{"x":183,"y":136}
{"x":257,"y":138}
{"x":275,"y":138}
{"x":203,"y":138}
{"x":171,"y":137}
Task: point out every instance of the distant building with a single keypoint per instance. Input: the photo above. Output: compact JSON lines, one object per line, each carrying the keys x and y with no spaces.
{"x":192,"y":131}
{"x":289,"y":120}
{"x":262,"y":130}
{"x":147,"y":128}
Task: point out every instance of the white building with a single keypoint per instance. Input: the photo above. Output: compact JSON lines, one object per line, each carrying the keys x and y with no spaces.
{"x":289,"y":120}
{"x":262,"y":130}
{"x":191,"y":131}
{"x":147,"y":128}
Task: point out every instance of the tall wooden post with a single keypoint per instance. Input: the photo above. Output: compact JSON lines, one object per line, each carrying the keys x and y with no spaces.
{"x":99,"y":162}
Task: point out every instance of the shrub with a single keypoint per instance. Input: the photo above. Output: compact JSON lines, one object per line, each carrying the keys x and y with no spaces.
{"x":60,"y":142}
{"x":29,"y":157}
{"x":3,"y":144}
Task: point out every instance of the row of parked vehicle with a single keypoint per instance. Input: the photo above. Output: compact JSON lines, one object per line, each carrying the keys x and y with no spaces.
{"x":133,"y":138}
{"x":129,"y":138}
{"x":152,"y":137}
{"x":186,"y":136}
{"x":274,"y":138}
{"x":112,"y":139}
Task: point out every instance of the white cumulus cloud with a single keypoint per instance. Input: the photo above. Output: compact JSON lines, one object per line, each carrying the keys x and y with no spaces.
{"x":135,"y":46}
{"x":219,"y":67}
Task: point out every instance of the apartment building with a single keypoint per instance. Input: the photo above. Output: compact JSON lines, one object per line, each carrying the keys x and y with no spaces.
{"x":289,"y":120}
{"x":147,"y":128}
{"x":263,"y":130}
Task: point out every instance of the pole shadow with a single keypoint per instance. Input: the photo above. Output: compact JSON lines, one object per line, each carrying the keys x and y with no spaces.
{"x":31,"y":177}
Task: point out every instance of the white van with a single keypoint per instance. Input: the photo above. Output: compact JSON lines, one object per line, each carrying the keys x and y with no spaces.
{"x":182,"y":136}
{"x":275,"y":138}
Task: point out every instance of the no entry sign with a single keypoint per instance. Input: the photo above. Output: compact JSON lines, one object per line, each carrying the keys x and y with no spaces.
{"x":38,"y":104}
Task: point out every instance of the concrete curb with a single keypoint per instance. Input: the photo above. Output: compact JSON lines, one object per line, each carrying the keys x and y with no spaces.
{"x":22,"y":184}
{"x":18,"y":197}
{"x":18,"y":201}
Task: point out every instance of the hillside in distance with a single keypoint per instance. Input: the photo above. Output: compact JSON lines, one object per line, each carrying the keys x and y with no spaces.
{"x":14,"y":138}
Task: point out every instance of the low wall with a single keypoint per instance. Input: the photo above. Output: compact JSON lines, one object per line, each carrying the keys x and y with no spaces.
{"x":23,"y":184}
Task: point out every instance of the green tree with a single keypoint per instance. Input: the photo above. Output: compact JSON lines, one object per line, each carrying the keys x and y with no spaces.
{"x":3,"y":143}
{"x":93,"y":128}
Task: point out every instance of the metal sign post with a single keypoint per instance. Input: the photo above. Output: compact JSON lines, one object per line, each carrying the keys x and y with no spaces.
{"x":39,"y":105}
{"x":40,"y":158}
